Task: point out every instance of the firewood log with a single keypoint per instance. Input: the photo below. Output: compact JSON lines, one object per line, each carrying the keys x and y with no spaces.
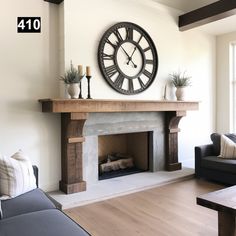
{"x":116,"y":165}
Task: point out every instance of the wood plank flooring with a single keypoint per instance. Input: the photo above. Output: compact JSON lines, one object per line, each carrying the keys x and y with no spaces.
{"x":170,"y":210}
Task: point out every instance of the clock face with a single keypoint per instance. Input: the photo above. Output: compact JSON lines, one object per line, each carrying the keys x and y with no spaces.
{"x":127,"y":58}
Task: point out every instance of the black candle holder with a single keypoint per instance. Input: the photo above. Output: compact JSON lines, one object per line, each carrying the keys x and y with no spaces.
{"x":80,"y":90}
{"x":88,"y":78}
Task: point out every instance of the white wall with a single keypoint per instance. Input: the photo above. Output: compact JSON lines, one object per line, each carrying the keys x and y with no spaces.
{"x":85,"y":23}
{"x":29,"y":71}
{"x":224,"y":122}
{"x":30,"y":64}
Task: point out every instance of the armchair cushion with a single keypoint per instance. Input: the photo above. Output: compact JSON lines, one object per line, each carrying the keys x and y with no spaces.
{"x":219,"y":164}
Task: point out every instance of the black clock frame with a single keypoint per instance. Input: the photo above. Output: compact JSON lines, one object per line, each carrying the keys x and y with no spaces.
{"x":108,"y":72}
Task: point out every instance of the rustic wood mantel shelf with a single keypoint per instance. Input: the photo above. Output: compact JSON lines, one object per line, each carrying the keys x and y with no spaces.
{"x":74,"y":113}
{"x":102,"y":105}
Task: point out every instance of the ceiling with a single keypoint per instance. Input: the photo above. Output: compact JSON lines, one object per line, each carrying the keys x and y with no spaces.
{"x":223,"y":26}
{"x":186,"y":5}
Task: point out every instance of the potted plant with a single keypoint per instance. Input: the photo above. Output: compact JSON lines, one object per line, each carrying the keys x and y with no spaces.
{"x":180,"y":81}
{"x":72,"y":78}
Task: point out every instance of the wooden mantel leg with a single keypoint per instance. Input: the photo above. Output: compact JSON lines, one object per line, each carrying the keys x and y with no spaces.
{"x":172,"y":121}
{"x":71,"y":152}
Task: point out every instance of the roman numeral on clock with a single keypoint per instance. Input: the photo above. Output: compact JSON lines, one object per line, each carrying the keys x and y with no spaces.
{"x":140,"y":38}
{"x":131,"y":85}
{"x":141,"y":82}
{"x":112,"y":44}
{"x":146,"y":49}
{"x":118,"y":35}
{"x":129,"y":33}
{"x":119,"y":81}
{"x":107,"y":56}
{"x":149,"y":61}
{"x":111,"y":70}
{"x":148,"y":74}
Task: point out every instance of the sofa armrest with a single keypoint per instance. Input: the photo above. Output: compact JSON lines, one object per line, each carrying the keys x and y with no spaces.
{"x":200,"y":152}
{"x":204,"y":150}
{"x":36,"y":173}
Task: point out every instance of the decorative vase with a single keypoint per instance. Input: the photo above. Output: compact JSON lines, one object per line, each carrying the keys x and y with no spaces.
{"x":73,"y":90}
{"x":180,"y":93}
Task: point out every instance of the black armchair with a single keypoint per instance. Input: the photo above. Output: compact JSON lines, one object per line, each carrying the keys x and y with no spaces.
{"x":209,"y":166}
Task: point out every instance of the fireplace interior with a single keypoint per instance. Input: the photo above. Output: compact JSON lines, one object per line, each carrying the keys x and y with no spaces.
{"x":123,"y":154}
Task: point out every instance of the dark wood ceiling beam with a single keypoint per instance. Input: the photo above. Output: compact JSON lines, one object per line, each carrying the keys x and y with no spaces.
{"x":207,"y":14}
{"x":54,"y":1}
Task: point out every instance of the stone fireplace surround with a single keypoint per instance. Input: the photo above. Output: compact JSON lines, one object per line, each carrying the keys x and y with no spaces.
{"x":83,"y":120}
{"x":121,"y":123}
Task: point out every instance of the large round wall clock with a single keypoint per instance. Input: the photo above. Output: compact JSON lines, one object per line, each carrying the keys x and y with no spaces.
{"x":127,"y":58}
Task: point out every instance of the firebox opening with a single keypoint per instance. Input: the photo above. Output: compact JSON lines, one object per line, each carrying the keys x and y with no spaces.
{"x":123,"y":154}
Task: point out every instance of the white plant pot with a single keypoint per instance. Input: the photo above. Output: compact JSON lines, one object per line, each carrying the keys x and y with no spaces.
{"x":180,"y":93}
{"x":73,"y":90}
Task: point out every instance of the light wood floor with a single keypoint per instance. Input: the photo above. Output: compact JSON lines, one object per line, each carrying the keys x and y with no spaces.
{"x":168,"y":210}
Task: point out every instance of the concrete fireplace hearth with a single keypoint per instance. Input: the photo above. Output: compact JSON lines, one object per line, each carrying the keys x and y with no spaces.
{"x":82,"y":121}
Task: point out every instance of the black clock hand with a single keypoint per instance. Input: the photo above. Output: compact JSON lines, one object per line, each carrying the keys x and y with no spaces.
{"x":135,"y":66}
{"x":129,"y":58}
{"x":133,"y":53}
{"x":125,"y":53}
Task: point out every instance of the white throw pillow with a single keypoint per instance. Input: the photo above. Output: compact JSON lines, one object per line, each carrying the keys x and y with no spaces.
{"x":16,"y":175}
{"x":227,"y":148}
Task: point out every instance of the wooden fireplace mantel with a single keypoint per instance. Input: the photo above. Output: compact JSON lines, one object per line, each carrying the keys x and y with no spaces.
{"x":103,"y":105}
{"x":74,"y":113}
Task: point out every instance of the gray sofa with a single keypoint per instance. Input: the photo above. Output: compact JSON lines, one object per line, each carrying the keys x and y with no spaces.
{"x":208,"y":165}
{"x":34,"y":214}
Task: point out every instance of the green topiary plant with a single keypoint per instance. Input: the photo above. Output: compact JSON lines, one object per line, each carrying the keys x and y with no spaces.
{"x":71,"y":76}
{"x":179,"y":79}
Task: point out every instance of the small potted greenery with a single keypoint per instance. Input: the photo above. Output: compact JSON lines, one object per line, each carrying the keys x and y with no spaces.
{"x":180,"y":81}
{"x":72,"y":78}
